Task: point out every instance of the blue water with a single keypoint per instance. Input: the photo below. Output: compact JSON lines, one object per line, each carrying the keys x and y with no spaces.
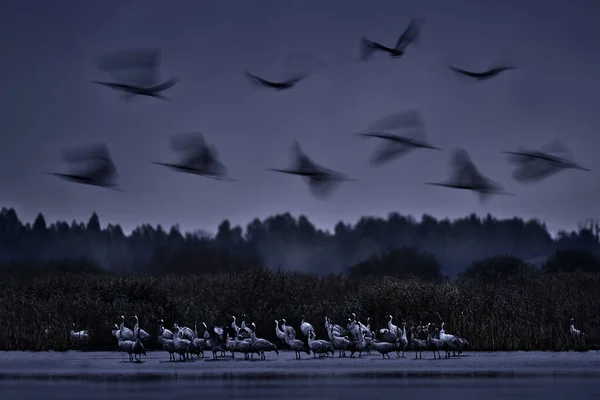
{"x":519,"y":375}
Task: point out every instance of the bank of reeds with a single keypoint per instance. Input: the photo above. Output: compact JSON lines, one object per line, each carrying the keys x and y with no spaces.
{"x":37,"y":313}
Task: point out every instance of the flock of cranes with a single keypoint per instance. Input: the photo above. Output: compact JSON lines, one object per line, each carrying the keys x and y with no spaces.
{"x":353,"y":338}
{"x":136,"y":74}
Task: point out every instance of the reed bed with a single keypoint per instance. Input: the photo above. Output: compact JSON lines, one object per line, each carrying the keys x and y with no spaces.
{"x":526,"y":314}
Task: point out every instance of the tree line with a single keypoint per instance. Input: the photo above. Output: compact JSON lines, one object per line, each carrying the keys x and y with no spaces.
{"x":397,"y":245}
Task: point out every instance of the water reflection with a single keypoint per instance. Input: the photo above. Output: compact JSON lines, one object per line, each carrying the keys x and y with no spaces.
{"x":334,"y":388}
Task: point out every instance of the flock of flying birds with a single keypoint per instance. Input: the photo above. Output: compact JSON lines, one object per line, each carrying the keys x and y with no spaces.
{"x":136,"y":74}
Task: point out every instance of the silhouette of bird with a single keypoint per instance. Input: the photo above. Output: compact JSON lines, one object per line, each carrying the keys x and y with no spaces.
{"x":151,"y":91}
{"x":410,"y":35}
{"x":321,"y":181}
{"x":136,"y":72}
{"x":297,"y":67}
{"x":286,"y":84}
{"x":196,"y":157}
{"x":480,"y":76}
{"x":99,"y":171}
{"x":397,"y":145}
{"x":467,"y":177}
{"x":536,"y":165}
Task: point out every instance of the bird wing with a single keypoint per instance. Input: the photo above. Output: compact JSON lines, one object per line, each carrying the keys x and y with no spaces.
{"x":410,"y":34}
{"x":322,"y":188}
{"x":388,"y":151}
{"x":301,"y":161}
{"x":368,"y":47}
{"x":163,"y":86}
{"x":258,"y":80}
{"x":466,"y":174}
{"x":558,"y":149}
{"x":534,"y":171}
{"x":92,"y":161}
{"x":467,"y":73}
{"x":464,"y":171}
{"x":396,"y":121}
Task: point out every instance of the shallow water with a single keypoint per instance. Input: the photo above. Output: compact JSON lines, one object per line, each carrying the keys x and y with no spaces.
{"x":99,"y":375}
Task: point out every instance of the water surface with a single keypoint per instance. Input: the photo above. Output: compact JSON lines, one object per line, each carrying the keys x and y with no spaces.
{"x":100,"y":375}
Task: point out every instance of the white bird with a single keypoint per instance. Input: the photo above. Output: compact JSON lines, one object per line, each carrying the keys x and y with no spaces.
{"x":137,"y":332}
{"x":181,"y":345}
{"x":116,"y":332}
{"x":79,"y":336}
{"x":197,"y":345}
{"x":576,"y":334}
{"x":296,"y":345}
{"x":165,"y":333}
{"x":433,"y":343}
{"x":168,"y":345}
{"x":402,"y":342}
{"x":126,"y":346}
{"x":126,"y":333}
{"x":306,"y":327}
{"x":243,"y":330}
{"x":364,"y":328}
{"x":321,"y":347}
{"x":244,"y":346}
{"x":340,"y":343}
{"x":416,"y":344}
{"x":290,"y":331}
{"x":280,"y":334}
{"x":262,"y":345}
{"x":393,"y":328}
{"x":138,"y":348}
{"x":383,"y":348}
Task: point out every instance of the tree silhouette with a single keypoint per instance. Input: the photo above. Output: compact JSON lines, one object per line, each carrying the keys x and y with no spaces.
{"x":500,"y":268}
{"x":288,"y":242}
{"x":572,"y":260}
{"x":404,"y":262}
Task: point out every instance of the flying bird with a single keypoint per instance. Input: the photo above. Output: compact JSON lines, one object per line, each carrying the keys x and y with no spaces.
{"x":136,"y":72}
{"x":397,"y":145}
{"x":321,"y":181}
{"x":467,"y":177}
{"x":281,"y":85}
{"x":196,"y":157}
{"x":536,"y":165}
{"x":99,"y":169}
{"x":410,"y":35}
{"x":297,"y":67}
{"x":480,"y":76}
{"x":132,"y":90}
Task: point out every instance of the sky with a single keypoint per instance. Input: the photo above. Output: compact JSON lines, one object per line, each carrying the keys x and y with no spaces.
{"x":47,"y":58}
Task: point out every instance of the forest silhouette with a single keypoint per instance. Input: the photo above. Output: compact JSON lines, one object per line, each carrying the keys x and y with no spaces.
{"x":396,"y":245}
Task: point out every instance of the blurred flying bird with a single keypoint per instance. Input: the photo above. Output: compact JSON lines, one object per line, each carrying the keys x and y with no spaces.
{"x":136,"y":72}
{"x":466,"y":176}
{"x":298,"y":67}
{"x":131,"y":90}
{"x":410,"y":35}
{"x":98,"y":171}
{"x":196,"y":157}
{"x":287,"y":84}
{"x":321,"y":181}
{"x":480,"y":76}
{"x":536,"y":165}
{"x":397,"y":145}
